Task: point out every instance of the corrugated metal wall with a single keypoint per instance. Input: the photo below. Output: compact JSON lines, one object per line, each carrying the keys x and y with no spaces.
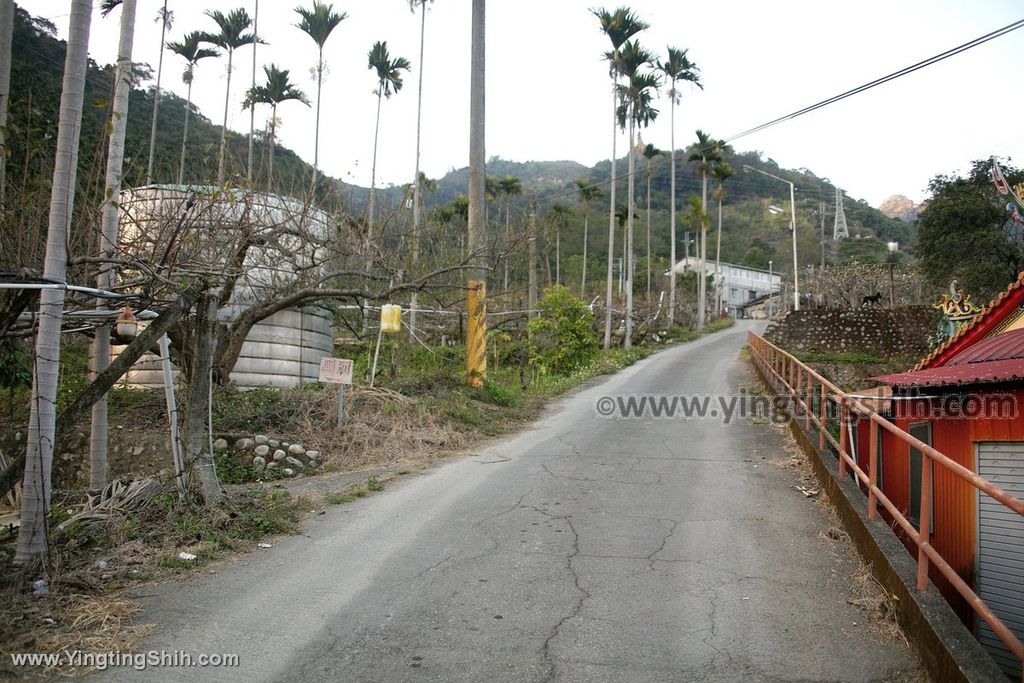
{"x":1000,"y":560}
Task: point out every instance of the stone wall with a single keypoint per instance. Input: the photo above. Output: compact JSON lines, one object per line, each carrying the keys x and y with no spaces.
{"x":901,"y":332}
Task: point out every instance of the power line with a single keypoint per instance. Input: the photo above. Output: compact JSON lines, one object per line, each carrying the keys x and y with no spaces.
{"x":884,"y":79}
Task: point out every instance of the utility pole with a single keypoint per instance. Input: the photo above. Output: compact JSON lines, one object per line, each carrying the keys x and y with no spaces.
{"x":476,"y":302}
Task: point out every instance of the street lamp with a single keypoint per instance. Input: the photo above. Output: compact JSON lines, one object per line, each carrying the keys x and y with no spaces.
{"x":792,"y":226}
{"x":771,"y":288}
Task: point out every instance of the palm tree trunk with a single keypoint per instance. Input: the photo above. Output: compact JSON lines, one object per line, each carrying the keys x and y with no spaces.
{"x":628,"y":264}
{"x":648,"y":231}
{"x":273,"y":134}
{"x":184,"y":135}
{"x":558,"y":255}
{"x":156,"y":95}
{"x":373,"y":171}
{"x":718,"y":264}
{"x":35,"y":500}
{"x":100,"y":352}
{"x":531,"y":294}
{"x":611,"y":229}
{"x":316,"y":134}
{"x":224,"y":127}
{"x":702,"y":294}
{"x":6,"y":37}
{"x":252,"y":109}
{"x":586,"y":230}
{"x":508,"y":209}
{"x":672,"y":218}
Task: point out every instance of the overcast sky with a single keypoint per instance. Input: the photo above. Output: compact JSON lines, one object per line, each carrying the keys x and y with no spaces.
{"x":548,"y":93}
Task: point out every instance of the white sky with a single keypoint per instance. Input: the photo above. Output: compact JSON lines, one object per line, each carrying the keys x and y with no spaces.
{"x":548,"y":90}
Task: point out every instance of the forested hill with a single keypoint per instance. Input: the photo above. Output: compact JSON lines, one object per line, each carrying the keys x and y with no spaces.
{"x":751,"y":235}
{"x":36,"y":77}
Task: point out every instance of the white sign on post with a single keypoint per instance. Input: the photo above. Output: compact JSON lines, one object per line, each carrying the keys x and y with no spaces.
{"x":336,"y":370}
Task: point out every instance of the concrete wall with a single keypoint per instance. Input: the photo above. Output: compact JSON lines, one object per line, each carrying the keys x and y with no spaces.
{"x":872,"y":330}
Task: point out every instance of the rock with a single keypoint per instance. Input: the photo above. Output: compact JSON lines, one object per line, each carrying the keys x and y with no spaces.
{"x":279,"y":455}
{"x":220,"y":445}
{"x":271,"y":465}
{"x":138,"y":450}
{"x":274,"y":443}
{"x":313,"y":455}
{"x":262,"y":449}
{"x":261,"y":439}
{"x":259,"y":463}
{"x":288,"y":472}
{"x":294,"y":462}
{"x":296,"y":449}
{"x":244,"y":444}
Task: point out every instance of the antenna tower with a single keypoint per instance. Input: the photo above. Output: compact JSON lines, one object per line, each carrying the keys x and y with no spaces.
{"x":840,"y":230}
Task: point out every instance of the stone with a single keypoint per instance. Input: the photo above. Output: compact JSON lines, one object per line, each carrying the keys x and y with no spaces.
{"x":279,"y":455}
{"x":288,"y":472}
{"x":261,"y":439}
{"x":244,"y":444}
{"x":313,"y":455}
{"x":262,"y":449}
{"x":259,"y":463}
{"x":274,"y":443}
{"x":220,"y":445}
{"x":271,"y":465}
{"x":296,"y":449}
{"x":295,"y":463}
{"x":138,"y":450}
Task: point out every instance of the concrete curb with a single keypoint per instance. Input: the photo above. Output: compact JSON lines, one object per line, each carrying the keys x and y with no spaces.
{"x":947,"y":649}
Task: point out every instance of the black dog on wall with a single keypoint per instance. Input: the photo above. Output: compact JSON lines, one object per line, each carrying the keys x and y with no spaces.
{"x":872,"y":299}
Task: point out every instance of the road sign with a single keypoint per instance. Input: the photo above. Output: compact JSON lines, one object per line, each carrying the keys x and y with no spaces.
{"x":336,"y":370}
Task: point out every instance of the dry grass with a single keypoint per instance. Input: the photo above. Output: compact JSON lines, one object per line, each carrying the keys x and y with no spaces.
{"x":64,"y":622}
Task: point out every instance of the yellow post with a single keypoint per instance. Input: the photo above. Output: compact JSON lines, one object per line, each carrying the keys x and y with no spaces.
{"x":476,"y":333}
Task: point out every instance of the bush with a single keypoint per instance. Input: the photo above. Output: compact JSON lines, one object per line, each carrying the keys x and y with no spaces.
{"x":562,"y":337}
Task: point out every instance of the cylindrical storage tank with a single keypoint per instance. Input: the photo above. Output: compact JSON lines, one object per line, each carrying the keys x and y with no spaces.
{"x":284,"y":349}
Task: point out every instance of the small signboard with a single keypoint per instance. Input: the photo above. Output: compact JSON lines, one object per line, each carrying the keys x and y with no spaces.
{"x":336,"y":370}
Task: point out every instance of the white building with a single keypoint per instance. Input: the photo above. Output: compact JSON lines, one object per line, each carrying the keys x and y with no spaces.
{"x":737,"y":285}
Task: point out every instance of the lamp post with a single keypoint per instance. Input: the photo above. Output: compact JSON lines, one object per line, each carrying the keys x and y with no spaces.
{"x":771,"y":288}
{"x":792,"y":226}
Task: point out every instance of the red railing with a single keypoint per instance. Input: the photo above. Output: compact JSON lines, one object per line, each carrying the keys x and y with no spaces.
{"x":801,"y":385}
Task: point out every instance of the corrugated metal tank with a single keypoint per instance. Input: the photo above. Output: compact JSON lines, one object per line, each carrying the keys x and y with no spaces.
{"x":282,"y":350}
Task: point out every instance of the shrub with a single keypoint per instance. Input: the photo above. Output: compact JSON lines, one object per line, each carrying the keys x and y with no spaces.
{"x":562,"y":337}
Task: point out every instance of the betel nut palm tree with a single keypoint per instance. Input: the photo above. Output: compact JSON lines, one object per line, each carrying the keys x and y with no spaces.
{"x":619,"y":26}
{"x":189,"y":48}
{"x":277,"y":89}
{"x":233,"y":33}
{"x":318,"y":23}
{"x":586,"y":192}
{"x":676,"y":67}
{"x":389,"y":81}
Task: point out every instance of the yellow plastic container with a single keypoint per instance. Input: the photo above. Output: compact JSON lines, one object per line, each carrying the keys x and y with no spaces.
{"x":390,"y":318}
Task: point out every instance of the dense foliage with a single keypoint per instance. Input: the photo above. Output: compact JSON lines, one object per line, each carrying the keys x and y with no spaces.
{"x":967,"y":234}
{"x":562,"y":337}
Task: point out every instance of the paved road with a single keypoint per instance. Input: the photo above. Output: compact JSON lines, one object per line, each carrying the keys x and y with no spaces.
{"x":583,"y":549}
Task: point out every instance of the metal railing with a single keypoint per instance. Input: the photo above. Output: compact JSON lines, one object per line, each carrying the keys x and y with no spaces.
{"x":802,"y":385}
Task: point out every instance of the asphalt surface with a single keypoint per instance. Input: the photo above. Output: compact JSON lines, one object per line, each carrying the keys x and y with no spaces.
{"x":586,"y":548}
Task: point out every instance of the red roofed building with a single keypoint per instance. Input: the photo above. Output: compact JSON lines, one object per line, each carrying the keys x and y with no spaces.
{"x":966,"y":399}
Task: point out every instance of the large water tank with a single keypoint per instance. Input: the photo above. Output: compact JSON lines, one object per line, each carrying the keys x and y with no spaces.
{"x":267,"y":242}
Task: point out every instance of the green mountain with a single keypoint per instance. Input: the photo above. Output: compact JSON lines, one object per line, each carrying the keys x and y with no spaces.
{"x":36,"y":76}
{"x":751,"y":234}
